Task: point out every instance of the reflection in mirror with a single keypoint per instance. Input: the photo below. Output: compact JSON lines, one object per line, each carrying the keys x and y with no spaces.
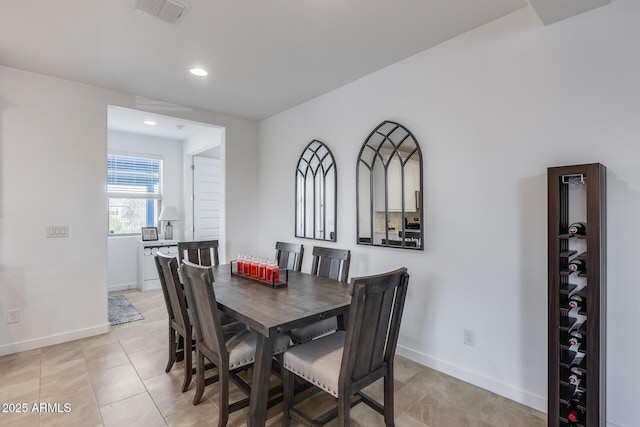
{"x":389,"y":189}
{"x":316,"y":191}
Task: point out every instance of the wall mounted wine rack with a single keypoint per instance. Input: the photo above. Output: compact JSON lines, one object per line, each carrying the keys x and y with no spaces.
{"x":577,"y":295}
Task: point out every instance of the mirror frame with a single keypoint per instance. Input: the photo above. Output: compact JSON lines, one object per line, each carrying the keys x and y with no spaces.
{"x":388,"y":138}
{"x":306,"y":171}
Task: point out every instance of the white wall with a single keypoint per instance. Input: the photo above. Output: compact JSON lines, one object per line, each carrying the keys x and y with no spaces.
{"x":492,"y":110}
{"x":122,"y":261}
{"x":53,"y":151}
{"x":203,"y":141}
{"x":53,"y":160}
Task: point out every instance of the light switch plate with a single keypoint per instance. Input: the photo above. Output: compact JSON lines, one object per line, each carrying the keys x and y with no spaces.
{"x":57,"y":231}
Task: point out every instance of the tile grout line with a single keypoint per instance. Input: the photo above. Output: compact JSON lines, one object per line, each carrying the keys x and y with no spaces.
{"x":146,"y":390}
{"x":93,"y":390}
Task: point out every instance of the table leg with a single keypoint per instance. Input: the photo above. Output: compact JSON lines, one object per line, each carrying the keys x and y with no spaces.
{"x":260,"y":384}
{"x":341,"y":322}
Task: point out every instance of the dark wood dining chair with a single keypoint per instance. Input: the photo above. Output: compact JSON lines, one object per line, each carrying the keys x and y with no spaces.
{"x":231,"y":347}
{"x":344,"y":363}
{"x":289,"y":256}
{"x":203,"y":252}
{"x":180,"y":328}
{"x":333,"y":264}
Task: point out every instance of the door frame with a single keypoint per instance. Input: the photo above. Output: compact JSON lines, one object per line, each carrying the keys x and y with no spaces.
{"x":189,"y":187}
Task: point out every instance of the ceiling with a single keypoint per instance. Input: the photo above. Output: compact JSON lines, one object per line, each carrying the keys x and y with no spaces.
{"x":133,"y":121}
{"x":263,"y":56}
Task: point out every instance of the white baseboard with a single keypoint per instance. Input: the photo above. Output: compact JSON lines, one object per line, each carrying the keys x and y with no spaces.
{"x":122,"y":287}
{"x":506,"y":390}
{"x":17,"y":347}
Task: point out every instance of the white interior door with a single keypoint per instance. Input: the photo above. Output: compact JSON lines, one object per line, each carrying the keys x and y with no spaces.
{"x":206,"y":198}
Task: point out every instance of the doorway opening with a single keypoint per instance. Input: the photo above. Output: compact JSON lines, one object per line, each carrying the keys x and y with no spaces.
{"x":177,"y":143}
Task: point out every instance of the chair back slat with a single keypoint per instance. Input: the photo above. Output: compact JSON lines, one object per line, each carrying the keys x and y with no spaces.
{"x":201,"y":298}
{"x":289,"y":256}
{"x":330,"y":268}
{"x":366,"y":339}
{"x":394,"y":327}
{"x":203,"y":252}
{"x":382,"y":329}
{"x":374,"y":323}
{"x":205,"y":256}
{"x":172,"y":289}
{"x":331,"y":263}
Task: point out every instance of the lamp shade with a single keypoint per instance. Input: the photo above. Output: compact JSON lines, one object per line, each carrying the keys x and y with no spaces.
{"x":169,"y":213}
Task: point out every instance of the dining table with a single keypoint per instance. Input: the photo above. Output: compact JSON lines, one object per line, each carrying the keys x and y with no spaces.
{"x":305,"y":299}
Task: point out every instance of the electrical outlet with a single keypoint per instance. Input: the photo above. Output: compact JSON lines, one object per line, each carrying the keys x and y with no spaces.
{"x":469,"y":337}
{"x":13,"y":316}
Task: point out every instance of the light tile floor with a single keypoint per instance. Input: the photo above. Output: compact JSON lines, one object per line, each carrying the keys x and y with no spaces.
{"x":118,"y":379}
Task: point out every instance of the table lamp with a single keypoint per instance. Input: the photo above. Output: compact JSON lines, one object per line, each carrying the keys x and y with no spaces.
{"x":168,"y":213}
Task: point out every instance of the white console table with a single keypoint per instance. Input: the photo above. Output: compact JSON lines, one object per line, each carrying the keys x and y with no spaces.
{"x":147,"y":271}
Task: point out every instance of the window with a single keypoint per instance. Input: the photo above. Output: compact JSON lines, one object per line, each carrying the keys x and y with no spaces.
{"x":134,"y":188}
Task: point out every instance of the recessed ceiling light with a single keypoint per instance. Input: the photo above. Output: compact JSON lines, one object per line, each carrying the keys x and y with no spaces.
{"x":149,"y":122}
{"x":200,"y":72}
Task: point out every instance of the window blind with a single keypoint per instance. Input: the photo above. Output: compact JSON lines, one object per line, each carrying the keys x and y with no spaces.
{"x":133,"y":177}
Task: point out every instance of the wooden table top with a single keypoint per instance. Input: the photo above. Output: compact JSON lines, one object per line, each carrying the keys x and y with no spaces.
{"x":306,"y":299}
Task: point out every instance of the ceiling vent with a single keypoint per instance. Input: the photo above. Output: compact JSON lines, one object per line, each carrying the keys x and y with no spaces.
{"x":170,"y":11}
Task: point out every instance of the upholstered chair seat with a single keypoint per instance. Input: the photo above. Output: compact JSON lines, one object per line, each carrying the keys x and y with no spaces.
{"x":241,"y":344}
{"x":314,"y":330}
{"x":318,"y":361}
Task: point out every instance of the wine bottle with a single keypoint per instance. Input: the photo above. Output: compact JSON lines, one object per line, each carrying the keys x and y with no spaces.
{"x":574,"y":379}
{"x":574,"y":300}
{"x":577,"y":229}
{"x":574,"y":313}
{"x":575,"y":414}
{"x":575,"y":338}
{"x":578,"y":323}
{"x":577,"y":396}
{"x":577,"y":265}
{"x":575,"y":347}
{"x":577,"y":360}
{"x":574,"y":383}
{"x":579,"y":287}
{"x":578,"y":371}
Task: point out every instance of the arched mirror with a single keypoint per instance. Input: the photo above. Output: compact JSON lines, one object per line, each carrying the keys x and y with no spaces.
{"x":389,"y":189}
{"x":316,"y":191}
